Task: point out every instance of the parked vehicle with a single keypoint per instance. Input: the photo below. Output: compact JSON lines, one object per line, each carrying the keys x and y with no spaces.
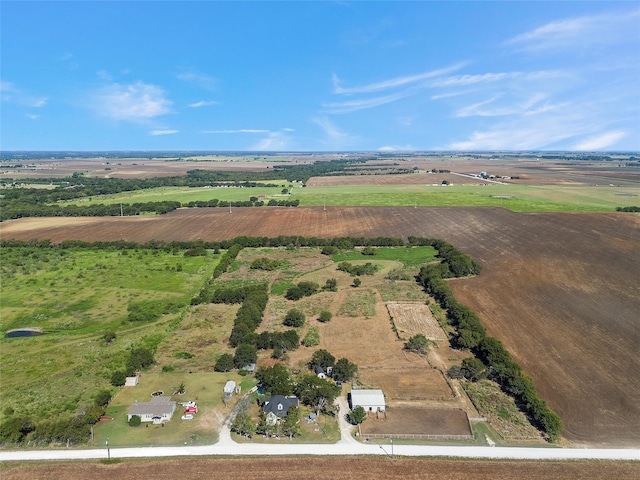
{"x":187,"y":416}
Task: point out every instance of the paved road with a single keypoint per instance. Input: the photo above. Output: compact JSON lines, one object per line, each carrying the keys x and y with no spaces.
{"x":347,"y":445}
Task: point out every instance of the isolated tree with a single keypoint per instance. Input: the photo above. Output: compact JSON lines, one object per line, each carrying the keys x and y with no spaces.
{"x":368,"y":251}
{"x":357,"y":415}
{"x":418,"y":343}
{"x":294,"y":318}
{"x":344,"y":370}
{"x":357,"y":282}
{"x":325,"y":316}
{"x":135,"y":421}
{"x":322,"y":358}
{"x":331,"y":285}
{"x":103,"y":397}
{"x":224,"y":363}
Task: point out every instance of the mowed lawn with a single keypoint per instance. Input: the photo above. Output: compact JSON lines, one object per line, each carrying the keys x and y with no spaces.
{"x":203,"y":388}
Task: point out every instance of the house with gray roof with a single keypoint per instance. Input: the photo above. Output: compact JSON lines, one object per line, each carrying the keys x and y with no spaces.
{"x":157,"y":410}
{"x":276,"y":407}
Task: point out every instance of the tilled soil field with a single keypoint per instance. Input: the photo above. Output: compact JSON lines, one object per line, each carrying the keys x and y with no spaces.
{"x":417,"y":421}
{"x":295,"y":468}
{"x":560,"y":290}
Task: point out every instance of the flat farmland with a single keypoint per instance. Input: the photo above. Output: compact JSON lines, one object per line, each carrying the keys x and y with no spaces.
{"x":560,"y":290}
{"x":329,"y":468}
{"x":418,"y":385}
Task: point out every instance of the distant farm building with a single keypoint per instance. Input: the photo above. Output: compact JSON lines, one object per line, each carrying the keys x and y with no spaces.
{"x":158,"y":410}
{"x":230,"y":387}
{"x":370,"y":400}
{"x":131,"y":381}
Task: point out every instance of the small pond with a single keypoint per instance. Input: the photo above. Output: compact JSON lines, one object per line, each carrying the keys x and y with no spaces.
{"x":25,"y":332}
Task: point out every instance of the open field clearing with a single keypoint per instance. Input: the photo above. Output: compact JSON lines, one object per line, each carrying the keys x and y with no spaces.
{"x":329,"y":468}
{"x":417,"y":421}
{"x":411,"y":319}
{"x":419,"y":384}
{"x":560,"y":290}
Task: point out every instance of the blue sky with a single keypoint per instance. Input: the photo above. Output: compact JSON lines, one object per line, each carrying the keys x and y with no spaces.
{"x":305,"y":76}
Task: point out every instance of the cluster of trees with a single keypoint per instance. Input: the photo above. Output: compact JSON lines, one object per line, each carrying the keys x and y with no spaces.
{"x":17,"y":429}
{"x":628,"y":209}
{"x":302,"y":289}
{"x":471,"y":334}
{"x":357,"y":270}
{"x":138,"y":358}
{"x":206,"y":292}
{"x":148,"y":310}
{"x":294,"y":318}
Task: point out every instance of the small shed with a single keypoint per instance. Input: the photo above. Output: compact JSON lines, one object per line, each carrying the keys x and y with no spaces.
{"x":229,"y":387}
{"x":131,"y":381}
{"x":370,"y":400}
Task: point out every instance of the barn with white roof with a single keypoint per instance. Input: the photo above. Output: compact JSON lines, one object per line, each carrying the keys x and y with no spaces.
{"x":370,"y":400}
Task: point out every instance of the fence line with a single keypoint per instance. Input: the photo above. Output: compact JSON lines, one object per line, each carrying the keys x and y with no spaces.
{"x":419,"y":435}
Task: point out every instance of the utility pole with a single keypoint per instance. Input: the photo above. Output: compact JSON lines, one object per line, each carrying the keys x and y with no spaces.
{"x":108,"y":451}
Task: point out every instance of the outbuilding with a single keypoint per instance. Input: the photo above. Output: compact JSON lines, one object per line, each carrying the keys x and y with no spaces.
{"x":370,"y":400}
{"x":229,"y":387}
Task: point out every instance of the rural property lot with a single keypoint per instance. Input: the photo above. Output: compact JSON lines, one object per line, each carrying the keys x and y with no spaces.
{"x":418,"y":421}
{"x":560,"y":290}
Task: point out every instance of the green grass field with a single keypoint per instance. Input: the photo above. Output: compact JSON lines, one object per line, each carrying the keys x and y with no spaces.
{"x":518,"y":198}
{"x":75,"y":296}
{"x":410,"y":257}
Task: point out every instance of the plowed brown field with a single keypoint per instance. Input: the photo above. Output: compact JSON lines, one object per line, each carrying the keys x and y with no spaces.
{"x":561,"y":290}
{"x":328,"y":468}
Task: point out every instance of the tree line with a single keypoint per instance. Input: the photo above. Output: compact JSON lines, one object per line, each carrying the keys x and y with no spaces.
{"x":471,"y":334}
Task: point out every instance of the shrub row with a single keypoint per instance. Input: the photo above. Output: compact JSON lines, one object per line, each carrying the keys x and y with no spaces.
{"x":206,"y":292}
{"x":470,"y":333}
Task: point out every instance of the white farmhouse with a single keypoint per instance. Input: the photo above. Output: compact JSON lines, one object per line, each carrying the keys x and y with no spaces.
{"x":158,"y":410}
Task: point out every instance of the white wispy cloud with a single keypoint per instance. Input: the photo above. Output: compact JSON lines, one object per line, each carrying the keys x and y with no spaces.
{"x":104,"y":75}
{"x":162,"y":132}
{"x":203,"y":103}
{"x":397,"y":148}
{"x":353,"y":105}
{"x":329,"y":128}
{"x":273,"y":141}
{"x":12,"y":94}
{"x":581,"y":32}
{"x":334,"y":137}
{"x":198,"y":79}
{"x":600,"y":141}
{"x":240,"y":130}
{"x":393,"y":82}
{"x":133,"y":102}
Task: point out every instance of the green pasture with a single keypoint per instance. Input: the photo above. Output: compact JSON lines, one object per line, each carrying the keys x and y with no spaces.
{"x":409,"y":256}
{"x":75,"y":296}
{"x":518,"y":198}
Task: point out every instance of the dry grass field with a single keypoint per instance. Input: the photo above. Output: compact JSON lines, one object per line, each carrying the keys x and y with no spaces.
{"x":414,"y":318}
{"x":417,"y":421}
{"x":560,"y":290}
{"x":327,"y":468}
